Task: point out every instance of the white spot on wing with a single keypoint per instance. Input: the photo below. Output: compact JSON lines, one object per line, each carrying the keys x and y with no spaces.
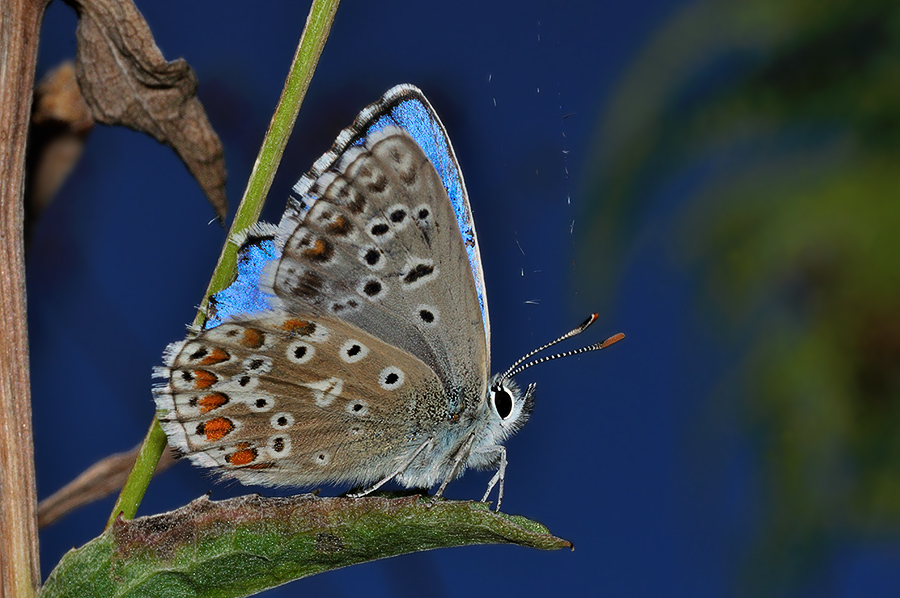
{"x":377,"y":257}
{"x":416,"y":272}
{"x":426,"y":315}
{"x":258,"y":364}
{"x":353,"y":351}
{"x":300,"y":352}
{"x":391,"y":378}
{"x":325,"y":391}
{"x":260,"y":402}
{"x":422,"y":215}
{"x":398,"y":215}
{"x":282,"y":421}
{"x":372,"y":288}
{"x":379,"y":230}
{"x":242,"y":381}
{"x":357,"y":408}
{"x":279,"y":441}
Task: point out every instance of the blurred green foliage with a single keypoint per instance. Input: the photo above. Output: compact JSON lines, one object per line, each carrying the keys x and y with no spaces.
{"x":788,"y":113}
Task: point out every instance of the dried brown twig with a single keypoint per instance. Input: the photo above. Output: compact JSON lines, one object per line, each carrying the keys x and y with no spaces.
{"x":19,"y":567}
{"x":98,"y":481}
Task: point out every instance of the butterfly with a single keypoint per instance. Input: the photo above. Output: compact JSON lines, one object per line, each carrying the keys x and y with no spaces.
{"x":353,"y":346}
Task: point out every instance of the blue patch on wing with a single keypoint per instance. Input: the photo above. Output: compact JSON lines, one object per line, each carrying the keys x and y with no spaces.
{"x":243,"y":297}
{"x":418,"y":120}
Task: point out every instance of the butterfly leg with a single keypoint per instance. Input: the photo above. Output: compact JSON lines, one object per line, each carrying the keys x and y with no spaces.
{"x":499,"y":476}
{"x":461,"y":455}
{"x":395,"y":473}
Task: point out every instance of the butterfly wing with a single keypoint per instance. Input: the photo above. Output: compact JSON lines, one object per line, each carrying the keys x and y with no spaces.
{"x":406,"y":108}
{"x":282,"y":401}
{"x":382,"y":238}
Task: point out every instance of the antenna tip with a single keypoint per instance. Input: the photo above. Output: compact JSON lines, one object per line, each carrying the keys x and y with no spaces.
{"x":612,"y":340}
{"x":591,"y":319}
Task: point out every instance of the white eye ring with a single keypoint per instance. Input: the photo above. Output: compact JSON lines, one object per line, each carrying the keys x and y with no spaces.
{"x":353,"y":351}
{"x":428,"y":315}
{"x":282,"y":421}
{"x":391,"y":378}
{"x":357,"y":408}
{"x":279,"y":446}
{"x":300,"y":352}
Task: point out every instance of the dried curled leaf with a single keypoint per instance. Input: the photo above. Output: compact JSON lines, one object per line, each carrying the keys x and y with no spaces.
{"x":98,"y":481}
{"x":60,"y":123}
{"x":243,"y":545}
{"x":126,"y":81}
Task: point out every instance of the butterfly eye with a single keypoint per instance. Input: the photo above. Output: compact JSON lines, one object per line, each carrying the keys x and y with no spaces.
{"x":503,"y":403}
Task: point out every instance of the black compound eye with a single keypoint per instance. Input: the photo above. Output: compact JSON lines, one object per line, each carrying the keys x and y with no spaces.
{"x":503,"y":403}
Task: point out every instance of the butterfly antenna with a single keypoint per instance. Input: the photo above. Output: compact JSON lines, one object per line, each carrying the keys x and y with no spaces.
{"x":515,"y":368}
{"x":595,"y":347}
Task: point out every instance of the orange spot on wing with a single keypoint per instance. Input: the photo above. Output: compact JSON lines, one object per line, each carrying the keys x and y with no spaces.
{"x":318,"y":250}
{"x":339,"y":226}
{"x":301,"y":327}
{"x":217,"y":356}
{"x":266,"y":465}
{"x":253,"y":338}
{"x":204,"y":379}
{"x":216,"y":428}
{"x":212,"y":401}
{"x":243,"y":456}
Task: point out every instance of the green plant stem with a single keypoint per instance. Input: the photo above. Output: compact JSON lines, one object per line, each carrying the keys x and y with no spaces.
{"x":315,"y":33}
{"x":133,"y":491}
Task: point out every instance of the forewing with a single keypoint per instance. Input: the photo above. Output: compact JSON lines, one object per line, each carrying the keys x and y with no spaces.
{"x":379,"y":246}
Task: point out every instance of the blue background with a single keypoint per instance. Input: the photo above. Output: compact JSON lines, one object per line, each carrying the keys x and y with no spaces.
{"x":618,"y":457}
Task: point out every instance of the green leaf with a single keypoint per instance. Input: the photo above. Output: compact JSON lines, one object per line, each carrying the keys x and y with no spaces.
{"x":241,"y":546}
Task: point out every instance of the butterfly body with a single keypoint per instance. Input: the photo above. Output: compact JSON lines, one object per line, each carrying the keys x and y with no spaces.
{"x":353,"y":347}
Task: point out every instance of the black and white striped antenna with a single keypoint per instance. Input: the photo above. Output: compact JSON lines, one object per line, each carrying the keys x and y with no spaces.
{"x":520,"y":365}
